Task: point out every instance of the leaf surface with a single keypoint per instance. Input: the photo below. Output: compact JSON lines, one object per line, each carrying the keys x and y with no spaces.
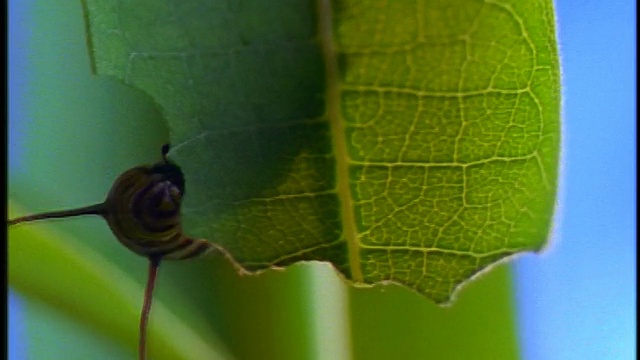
{"x":408,"y":141}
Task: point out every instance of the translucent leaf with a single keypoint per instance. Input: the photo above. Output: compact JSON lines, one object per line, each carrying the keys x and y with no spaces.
{"x":415,"y":142}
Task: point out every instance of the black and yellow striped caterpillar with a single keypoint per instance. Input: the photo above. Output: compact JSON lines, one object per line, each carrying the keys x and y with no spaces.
{"x":143,"y":211}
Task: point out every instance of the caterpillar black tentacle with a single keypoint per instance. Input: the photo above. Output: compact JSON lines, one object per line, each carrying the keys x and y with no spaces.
{"x":143,"y":211}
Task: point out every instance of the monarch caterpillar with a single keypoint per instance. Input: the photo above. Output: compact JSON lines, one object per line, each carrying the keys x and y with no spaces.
{"x":143,"y":211}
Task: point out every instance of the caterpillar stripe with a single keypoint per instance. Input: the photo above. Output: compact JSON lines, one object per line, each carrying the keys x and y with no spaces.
{"x":143,"y":211}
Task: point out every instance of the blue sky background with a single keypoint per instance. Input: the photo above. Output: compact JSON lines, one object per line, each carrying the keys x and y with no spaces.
{"x":576,"y":300}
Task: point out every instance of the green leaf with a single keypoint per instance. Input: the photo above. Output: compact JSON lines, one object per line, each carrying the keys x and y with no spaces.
{"x":71,"y":134}
{"x":410,"y":141}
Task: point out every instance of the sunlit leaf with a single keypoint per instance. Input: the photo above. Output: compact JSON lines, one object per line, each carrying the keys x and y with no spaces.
{"x":407,"y":141}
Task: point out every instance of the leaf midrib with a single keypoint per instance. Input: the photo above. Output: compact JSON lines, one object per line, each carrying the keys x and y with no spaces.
{"x":339,"y":138}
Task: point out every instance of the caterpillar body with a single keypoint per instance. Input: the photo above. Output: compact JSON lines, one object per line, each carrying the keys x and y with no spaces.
{"x":143,"y":211}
